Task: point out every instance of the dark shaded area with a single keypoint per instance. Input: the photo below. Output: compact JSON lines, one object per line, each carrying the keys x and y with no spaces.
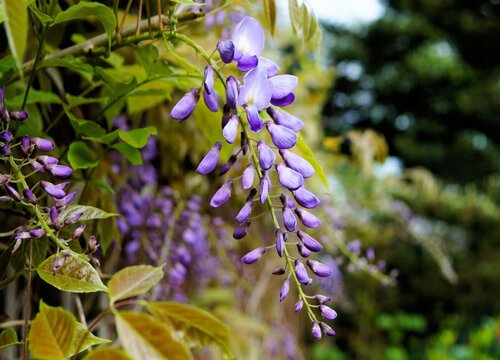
{"x":427,"y":76}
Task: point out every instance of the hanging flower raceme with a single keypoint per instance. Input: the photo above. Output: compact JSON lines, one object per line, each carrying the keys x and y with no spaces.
{"x":252,"y":102}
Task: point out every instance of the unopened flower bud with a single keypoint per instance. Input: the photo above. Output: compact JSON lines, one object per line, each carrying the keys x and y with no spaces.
{"x":280,"y":242}
{"x":297,"y":163}
{"x":222,"y":195}
{"x":305,"y":198}
{"x":266,"y":155}
{"x":301,"y":273}
{"x":13,"y":192}
{"x":19,"y":115}
{"x":318,"y":268}
{"x":73,"y":218}
{"x":242,"y":230}
{"x":78,"y":232}
{"x":6,"y":136}
{"x":327,"y":329}
{"x":52,"y":190}
{"x":37,"y":233}
{"x":230,"y":130}
{"x":307,"y":218}
{"x":231,"y":91}
{"x":254,"y":255}
{"x":298,"y":306}
{"x":29,"y":196}
{"x":248,"y":176}
{"x":283,"y":137}
{"x":316,"y":330}
{"x":42,"y":144}
{"x":309,"y":242}
{"x":209,"y":162}
{"x":265,"y":184}
{"x":289,"y":219}
{"x":186,"y":105}
{"x":284,"y":289}
{"x":327,"y":312}
{"x":226,"y":51}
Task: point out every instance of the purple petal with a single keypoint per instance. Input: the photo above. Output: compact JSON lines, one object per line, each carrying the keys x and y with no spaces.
{"x":306,"y":198}
{"x":257,"y":89}
{"x":19,"y":115}
{"x":319,"y":269}
{"x":284,"y":289}
{"x":6,"y":136}
{"x":47,"y":160}
{"x":265,"y":183}
{"x":266,"y":155}
{"x":307,"y":218}
{"x":231,"y":91}
{"x":42,"y":144}
{"x":289,"y":219}
{"x":285,"y":119}
{"x":327,"y":312}
{"x":287,"y":100}
{"x":37,"y":233}
{"x":209,"y":162}
{"x":247,"y":62}
{"x":327,"y":329}
{"x":248,"y":176}
{"x":52,"y":190}
{"x":186,"y":105}
{"x":303,"y":251}
{"x":283,"y":85}
{"x":29,"y":196}
{"x":322,"y":298}
{"x":271,"y":67}
{"x":245,"y":211}
{"x":248,"y":36}
{"x":289,"y":178}
{"x":230,"y":131}
{"x":298,"y":306}
{"x":65,"y":200}
{"x":211,"y":101}
{"x":254,"y":255}
{"x":208,"y":81}
{"x":13,"y":192}
{"x":301,"y":273}
{"x":253,"y":118}
{"x":226,"y":51}
{"x":60,"y":171}
{"x":297,"y":163}
{"x":242,"y":230}
{"x":283,"y":137}
{"x":280,"y":243}
{"x":316,"y":330}
{"x":222,"y":195}
{"x":309,"y":242}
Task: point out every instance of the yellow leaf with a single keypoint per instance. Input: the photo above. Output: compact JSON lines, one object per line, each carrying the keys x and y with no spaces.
{"x":15,"y":16}
{"x":133,"y":281}
{"x":107,"y":353}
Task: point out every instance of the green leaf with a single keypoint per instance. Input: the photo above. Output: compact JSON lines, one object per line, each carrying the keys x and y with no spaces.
{"x":137,"y":138}
{"x":107,"y":139}
{"x":75,"y":275}
{"x":15,"y":16}
{"x":131,"y":153}
{"x":187,"y":2}
{"x":8,"y":337}
{"x":199,"y":327}
{"x":85,"y":127}
{"x":84,"y":9}
{"x":74,"y":101}
{"x":34,"y":97}
{"x":71,"y":63}
{"x":107,"y":353}
{"x":89,"y":213}
{"x":133,"y":281}
{"x":51,"y":333}
{"x":145,"y":337}
{"x":309,"y":156}
{"x":43,"y":18}
{"x":83,"y":339}
{"x":7,"y":63}
{"x":80,"y":156}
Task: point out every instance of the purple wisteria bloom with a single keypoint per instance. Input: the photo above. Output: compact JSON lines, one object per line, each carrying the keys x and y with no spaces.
{"x":301,"y":273}
{"x":283,"y":85}
{"x":289,"y":178}
{"x":211,"y":101}
{"x":327,"y":312}
{"x":42,"y":144}
{"x":248,"y":40}
{"x":309,"y":242}
{"x":266,"y":155}
{"x":245,"y":211}
{"x":289,"y":219}
{"x":284,"y":289}
{"x":280,"y":242}
{"x":318,"y":268}
{"x":307,"y":219}
{"x":209,"y":162}
{"x":255,"y":95}
{"x":327,"y":329}
{"x":265,"y":184}
{"x":231,"y":91}
{"x":283,"y":137}
{"x":248,"y":176}
{"x":230,"y":130}
{"x":306,"y":198}
{"x":297,"y":163}
{"x":222,"y":195}
{"x":254,"y":255}
{"x":52,"y":190}
{"x":285,"y":119}
{"x":316,"y":330}
{"x":186,"y":105}
{"x":298,"y":306}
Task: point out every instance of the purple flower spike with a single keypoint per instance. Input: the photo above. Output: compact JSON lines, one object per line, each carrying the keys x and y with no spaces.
{"x":319,"y":269}
{"x":301,"y":273}
{"x":266,"y":155}
{"x":265,"y":184}
{"x":253,"y":256}
{"x":211,"y":101}
{"x":298,"y":306}
{"x":231,"y":91}
{"x":6,"y":136}
{"x":242,"y":230}
{"x":284,"y":289}
{"x":287,"y":100}
{"x":230,"y":130}
{"x":42,"y":144}
{"x":316,"y":330}
{"x":248,"y":39}
{"x":37,"y":233}
{"x":289,"y":178}
{"x":309,"y":242}
{"x":289,"y":219}
{"x":307,"y":218}
{"x":248,"y":176}
{"x":255,"y":95}
{"x":186,"y":105}
{"x":208,"y":81}
{"x":52,"y":190}
{"x":222,"y":195}
{"x":327,"y":312}
{"x":303,"y":251}
{"x":297,"y":163}
{"x":29,"y":196}
{"x":209,"y":162}
{"x":327,"y":329}
{"x":283,"y":85}
{"x":60,"y":171}
{"x":245,"y":211}
{"x":306,"y":198}
{"x":226,"y":50}
{"x":283,"y":137}
{"x":280,"y":243}
{"x":13,"y":192}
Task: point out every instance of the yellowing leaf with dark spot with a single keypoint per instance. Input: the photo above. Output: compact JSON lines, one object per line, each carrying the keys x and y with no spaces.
{"x":198,"y":326}
{"x":51,"y":333}
{"x":76,"y":275}
{"x":15,"y":16}
{"x":107,"y":353}
{"x":145,"y":337}
{"x":8,"y":337}
{"x":133,"y":281}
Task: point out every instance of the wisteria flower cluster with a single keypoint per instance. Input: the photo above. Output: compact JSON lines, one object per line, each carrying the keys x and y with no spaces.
{"x":46,"y":198}
{"x":252,"y":104}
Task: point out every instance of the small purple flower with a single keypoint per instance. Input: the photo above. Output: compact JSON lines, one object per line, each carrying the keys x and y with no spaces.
{"x":305,"y":198}
{"x":289,"y":219}
{"x":19,"y":115}
{"x":186,"y":105}
{"x":23,"y":235}
{"x":265,"y":184}
{"x":298,"y":306}
{"x":289,"y":178}
{"x":209,"y":162}
{"x":301,"y":273}
{"x":245,"y":211}
{"x":5,"y":149}
{"x":231,"y":91}
{"x":285,"y":119}
{"x":13,"y":192}
{"x":4,"y":179}
{"x":327,"y":312}
{"x":297,"y":163}
{"x":230,"y":130}
{"x":248,"y":39}
{"x":6,"y":136}
{"x":242,"y":230}
{"x":316,"y":330}
{"x":307,"y":218}
{"x":254,"y":255}
{"x":255,"y":95}
{"x":78,"y":232}
{"x":42,"y":144}
{"x":287,"y":100}
{"x":222,"y":195}
{"x":47,"y":160}
{"x":309,"y":242}
{"x":35,"y":165}
{"x":319,"y":269}
{"x":208,"y":81}
{"x":284,"y":289}
{"x":52,"y":190}
{"x":37,"y":233}
{"x":211,"y":101}
{"x":228,"y":165}
{"x":283,"y":85}
{"x":248,"y":176}
{"x":266,"y":155}
{"x":60,"y":171}
{"x":226,"y":51}
{"x":65,"y":200}
{"x":322,"y":299}
{"x":280,"y":242}
{"x":327,"y":329}
{"x":73,"y":218}
{"x":29,"y":196}
{"x":303,"y":251}
{"x":26,"y":145}
{"x":282,"y":137}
